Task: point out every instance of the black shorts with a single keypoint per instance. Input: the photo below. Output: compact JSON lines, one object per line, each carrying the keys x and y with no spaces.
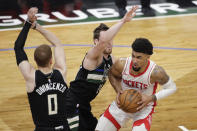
{"x":87,"y":122}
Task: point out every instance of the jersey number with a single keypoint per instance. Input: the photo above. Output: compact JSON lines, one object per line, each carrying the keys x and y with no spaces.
{"x":52,"y":104}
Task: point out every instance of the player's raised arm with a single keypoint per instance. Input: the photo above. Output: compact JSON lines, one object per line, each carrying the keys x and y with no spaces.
{"x":107,"y":35}
{"x":59,"y":55}
{"x":25,"y":67}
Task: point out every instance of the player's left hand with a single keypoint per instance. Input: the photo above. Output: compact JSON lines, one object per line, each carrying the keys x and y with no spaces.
{"x":144,"y":102}
{"x":32,"y":14}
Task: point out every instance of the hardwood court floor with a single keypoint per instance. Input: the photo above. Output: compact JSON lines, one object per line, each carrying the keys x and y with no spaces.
{"x":179,"y":109}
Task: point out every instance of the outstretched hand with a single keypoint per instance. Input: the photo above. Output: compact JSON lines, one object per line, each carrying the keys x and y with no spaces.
{"x":130,"y":14}
{"x":32,"y":14}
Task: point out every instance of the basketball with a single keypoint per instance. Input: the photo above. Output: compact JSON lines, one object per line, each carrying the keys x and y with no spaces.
{"x":129,"y":99}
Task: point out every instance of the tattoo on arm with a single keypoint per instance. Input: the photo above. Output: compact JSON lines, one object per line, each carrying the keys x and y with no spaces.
{"x":154,"y":98}
{"x":159,"y":75}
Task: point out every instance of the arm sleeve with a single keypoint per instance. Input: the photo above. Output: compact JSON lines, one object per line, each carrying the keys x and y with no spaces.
{"x":20,"y":42}
{"x":167,"y":89}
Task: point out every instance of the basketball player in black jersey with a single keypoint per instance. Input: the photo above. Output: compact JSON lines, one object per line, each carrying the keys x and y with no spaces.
{"x":46,"y":87}
{"x":92,"y":76}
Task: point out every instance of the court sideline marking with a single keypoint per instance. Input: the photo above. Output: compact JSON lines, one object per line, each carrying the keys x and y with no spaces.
{"x":90,"y":45}
{"x":185,"y":129}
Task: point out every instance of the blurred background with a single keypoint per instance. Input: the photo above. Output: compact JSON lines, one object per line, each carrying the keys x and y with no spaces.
{"x":15,"y":7}
{"x":11,"y":11}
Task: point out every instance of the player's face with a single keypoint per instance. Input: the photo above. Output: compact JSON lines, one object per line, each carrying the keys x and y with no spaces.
{"x":108,"y":49}
{"x":139,"y":60}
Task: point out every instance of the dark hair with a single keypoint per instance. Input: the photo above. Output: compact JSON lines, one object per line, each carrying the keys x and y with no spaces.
{"x":42,"y":55}
{"x":101,"y":27}
{"x":143,"y":45}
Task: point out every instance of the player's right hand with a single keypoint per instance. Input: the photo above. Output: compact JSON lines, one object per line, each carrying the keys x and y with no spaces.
{"x":117,"y":98}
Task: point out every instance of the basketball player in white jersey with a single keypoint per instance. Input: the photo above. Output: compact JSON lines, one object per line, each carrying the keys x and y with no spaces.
{"x":139,"y":73}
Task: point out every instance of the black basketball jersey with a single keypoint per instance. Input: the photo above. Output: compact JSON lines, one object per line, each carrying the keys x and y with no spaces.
{"x":87,"y":84}
{"x":47,"y":99}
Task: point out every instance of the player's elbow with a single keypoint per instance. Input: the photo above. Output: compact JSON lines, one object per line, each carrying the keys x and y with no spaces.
{"x":174,"y":88}
{"x":15,"y":46}
{"x":171,"y":85}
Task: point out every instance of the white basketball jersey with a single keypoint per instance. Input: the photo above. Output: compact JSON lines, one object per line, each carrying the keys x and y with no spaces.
{"x":139,"y":82}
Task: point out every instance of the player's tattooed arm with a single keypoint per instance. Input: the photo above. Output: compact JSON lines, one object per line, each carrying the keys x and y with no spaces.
{"x":159,"y":75}
{"x":168,"y":86}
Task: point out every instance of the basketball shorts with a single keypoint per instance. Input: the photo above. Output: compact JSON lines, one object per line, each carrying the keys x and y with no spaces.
{"x":86,"y":121}
{"x":114,"y":118}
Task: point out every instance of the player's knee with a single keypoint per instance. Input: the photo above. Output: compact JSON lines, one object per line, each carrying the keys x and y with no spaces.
{"x":105,"y":125}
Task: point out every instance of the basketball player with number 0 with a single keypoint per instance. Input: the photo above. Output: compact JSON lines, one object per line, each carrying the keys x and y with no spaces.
{"x":46,"y":87}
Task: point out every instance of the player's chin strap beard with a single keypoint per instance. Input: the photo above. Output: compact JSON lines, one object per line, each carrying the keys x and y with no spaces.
{"x":136,"y":69}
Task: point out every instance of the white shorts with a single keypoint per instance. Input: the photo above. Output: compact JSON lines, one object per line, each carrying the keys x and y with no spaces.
{"x":114,"y":118}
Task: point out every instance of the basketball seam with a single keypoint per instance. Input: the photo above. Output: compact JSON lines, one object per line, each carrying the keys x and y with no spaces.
{"x":130,"y":103}
{"x":124,"y":100}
